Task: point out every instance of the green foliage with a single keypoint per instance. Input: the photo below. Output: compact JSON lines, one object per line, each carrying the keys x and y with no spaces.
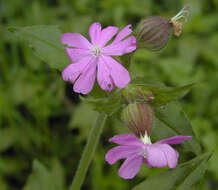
{"x":181,"y":178}
{"x":160,"y":95}
{"x":172,"y":121}
{"x":108,"y":105}
{"x":84,"y":124}
{"x":40,"y":117}
{"x":45,"y":42}
{"x":42,"y":179}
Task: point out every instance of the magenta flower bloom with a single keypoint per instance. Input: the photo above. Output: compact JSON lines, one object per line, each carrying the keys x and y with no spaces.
{"x":89,"y":58}
{"x":136,"y":151}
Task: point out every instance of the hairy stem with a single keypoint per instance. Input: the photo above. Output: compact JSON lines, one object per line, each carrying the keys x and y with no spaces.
{"x":88,"y":152}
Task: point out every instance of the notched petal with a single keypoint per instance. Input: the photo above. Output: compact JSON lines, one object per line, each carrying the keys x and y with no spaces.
{"x":130,"y":167}
{"x":95,"y":33}
{"x":174,"y":140}
{"x":121,"y":152}
{"x":75,"y":40}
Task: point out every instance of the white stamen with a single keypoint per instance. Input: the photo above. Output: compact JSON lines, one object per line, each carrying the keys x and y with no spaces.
{"x":96,"y":50}
{"x":184,"y":13}
{"x":146,"y":139}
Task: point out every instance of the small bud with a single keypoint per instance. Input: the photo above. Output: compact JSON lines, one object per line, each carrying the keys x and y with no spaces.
{"x":139,"y":118}
{"x":136,"y":93}
{"x":155,"y":32}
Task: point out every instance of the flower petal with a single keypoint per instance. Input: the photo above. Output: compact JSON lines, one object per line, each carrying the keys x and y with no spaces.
{"x":117,"y":49}
{"x":103,"y":75}
{"x":72,"y":71}
{"x":171,"y":154}
{"x":86,"y":81}
{"x":107,"y":34}
{"x":75,"y":40}
{"x":121,"y":152}
{"x":75,"y":54}
{"x":155,"y":156}
{"x":130,"y":167}
{"x":95,"y":33}
{"x":119,"y":74}
{"x":123,"y":33}
{"x":174,"y":140}
{"x":126,"y":139}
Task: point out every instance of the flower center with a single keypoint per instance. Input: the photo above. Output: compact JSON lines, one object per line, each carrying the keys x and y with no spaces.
{"x":146,"y":139}
{"x":96,"y":50}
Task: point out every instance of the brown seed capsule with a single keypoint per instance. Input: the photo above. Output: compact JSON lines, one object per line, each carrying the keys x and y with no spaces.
{"x":139,"y":118}
{"x":155,"y":32}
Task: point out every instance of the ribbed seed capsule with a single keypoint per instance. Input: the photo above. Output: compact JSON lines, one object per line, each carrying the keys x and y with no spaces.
{"x":139,"y":118}
{"x":155,"y":32}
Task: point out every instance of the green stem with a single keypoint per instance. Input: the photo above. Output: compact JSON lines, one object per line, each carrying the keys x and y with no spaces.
{"x":89,"y":151}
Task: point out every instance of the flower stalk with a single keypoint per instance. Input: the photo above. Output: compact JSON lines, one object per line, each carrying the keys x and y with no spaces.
{"x":88,"y":152}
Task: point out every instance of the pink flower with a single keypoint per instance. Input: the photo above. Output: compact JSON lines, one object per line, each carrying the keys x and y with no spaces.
{"x":89,"y":58}
{"x":136,"y":151}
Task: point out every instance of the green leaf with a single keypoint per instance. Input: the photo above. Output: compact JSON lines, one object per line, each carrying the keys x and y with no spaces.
{"x":171,"y":121}
{"x":45,"y":42}
{"x":41,"y":179}
{"x":126,"y":60}
{"x":84,"y":124}
{"x":181,"y":178}
{"x":162,"y":95}
{"x":108,"y":105}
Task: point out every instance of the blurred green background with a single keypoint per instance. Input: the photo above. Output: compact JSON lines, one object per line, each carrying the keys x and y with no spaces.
{"x":42,"y":119}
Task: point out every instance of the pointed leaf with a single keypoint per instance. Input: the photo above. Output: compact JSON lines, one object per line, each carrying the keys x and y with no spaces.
{"x":41,"y":179}
{"x":171,"y":121}
{"x":181,"y":178}
{"x":108,"y":105}
{"x":161,"y":94}
{"x":45,"y":42}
